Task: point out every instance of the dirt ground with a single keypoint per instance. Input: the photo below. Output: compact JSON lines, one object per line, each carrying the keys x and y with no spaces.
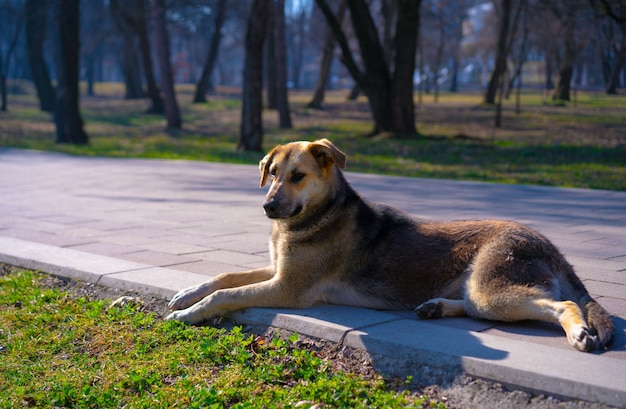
{"x":462,"y":392}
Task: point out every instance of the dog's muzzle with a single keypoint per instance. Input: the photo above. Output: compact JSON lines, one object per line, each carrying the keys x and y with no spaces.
{"x":274,"y":210}
{"x":271,"y":208}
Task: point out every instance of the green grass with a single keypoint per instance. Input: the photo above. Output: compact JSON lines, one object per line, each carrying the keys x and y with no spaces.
{"x":61,"y":351}
{"x":572,"y":146}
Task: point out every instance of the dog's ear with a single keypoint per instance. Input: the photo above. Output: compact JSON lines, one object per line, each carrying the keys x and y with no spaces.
{"x":327,"y":154}
{"x":264,"y":166}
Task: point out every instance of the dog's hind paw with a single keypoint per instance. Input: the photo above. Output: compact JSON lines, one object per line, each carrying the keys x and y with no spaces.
{"x":429,"y":310}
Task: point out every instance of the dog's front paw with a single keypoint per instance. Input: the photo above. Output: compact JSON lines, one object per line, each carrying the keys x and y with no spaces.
{"x":176,"y":316}
{"x":429,"y":310}
{"x":183,"y":299}
{"x":192,"y":316}
{"x":188,"y":316}
{"x":582,"y":339}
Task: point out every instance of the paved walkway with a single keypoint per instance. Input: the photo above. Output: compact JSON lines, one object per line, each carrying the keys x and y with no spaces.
{"x":158,"y":226}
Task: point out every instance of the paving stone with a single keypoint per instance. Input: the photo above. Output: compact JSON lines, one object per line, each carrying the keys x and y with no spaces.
{"x":208,"y":268}
{"x":157,"y":258}
{"x":225,"y":256}
{"x":417,"y":343}
{"x":616,"y":306}
{"x":159,"y":281}
{"x":324,"y":321}
{"x":599,"y":288}
{"x":105,"y":249}
{"x":207,"y":216}
{"x":65,"y":262}
{"x":171,"y":246}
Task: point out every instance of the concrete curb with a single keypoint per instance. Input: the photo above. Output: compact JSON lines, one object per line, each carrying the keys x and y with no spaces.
{"x":399,"y":343}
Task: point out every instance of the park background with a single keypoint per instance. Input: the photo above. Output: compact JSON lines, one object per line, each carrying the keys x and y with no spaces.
{"x":526,"y":91}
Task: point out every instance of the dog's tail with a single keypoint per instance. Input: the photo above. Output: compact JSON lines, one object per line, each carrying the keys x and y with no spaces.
{"x":598,"y":319}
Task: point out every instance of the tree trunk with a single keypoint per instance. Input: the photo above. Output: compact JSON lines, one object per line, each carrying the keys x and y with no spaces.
{"x":355,"y":91}
{"x":390,"y":97}
{"x":89,"y":72}
{"x":458,"y":38}
{"x":282,"y":97}
{"x":130,"y":66}
{"x":297,"y":54}
{"x":3,"y":90}
{"x":620,"y":60}
{"x":67,"y":118}
{"x":377,"y":82}
{"x":439,"y":54}
{"x":454,"y":78}
{"x":563,"y":85}
{"x":144,"y":46}
{"x":251,"y":132}
{"x":500,"y":67}
{"x":566,"y":68}
{"x":172,"y":114}
{"x":4,"y":61}
{"x":123,"y":18}
{"x":327,"y":59}
{"x":36,"y":18}
{"x":519,"y":58}
{"x":402,"y":102}
{"x":270,"y":65}
{"x":207,"y":69}
{"x":549,"y":84}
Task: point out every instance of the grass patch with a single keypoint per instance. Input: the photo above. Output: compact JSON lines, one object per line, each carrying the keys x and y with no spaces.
{"x":577,"y":145}
{"x":61,"y":351}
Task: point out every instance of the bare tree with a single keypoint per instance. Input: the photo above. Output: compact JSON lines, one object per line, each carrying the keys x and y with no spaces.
{"x":614,"y":9}
{"x":95,"y":34}
{"x":614,"y":12}
{"x":457,"y":15}
{"x":501,"y":53}
{"x":141,"y":29}
{"x":440,"y":17}
{"x":18,"y":20}
{"x":282,"y":98}
{"x":130,"y":17}
{"x":298,"y":31}
{"x":36,"y":21}
{"x":251,"y":132}
{"x":270,"y":65}
{"x":569,"y":16}
{"x":172,"y":113}
{"x":69,"y":123}
{"x":519,"y":54}
{"x":327,"y":59}
{"x":389,"y":92}
{"x":203,"y":83}
{"x":122,"y":12}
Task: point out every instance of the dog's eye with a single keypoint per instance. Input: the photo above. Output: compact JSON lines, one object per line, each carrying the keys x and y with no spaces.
{"x":296,"y":177}
{"x":273,"y":172}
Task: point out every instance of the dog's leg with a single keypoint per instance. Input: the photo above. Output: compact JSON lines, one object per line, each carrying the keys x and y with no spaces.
{"x":189,"y":296}
{"x":270,"y":293}
{"x":441,"y":308}
{"x":570,"y":317}
{"x":523,"y":303}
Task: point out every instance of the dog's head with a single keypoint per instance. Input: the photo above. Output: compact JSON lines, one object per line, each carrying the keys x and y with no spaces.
{"x":301,"y":175}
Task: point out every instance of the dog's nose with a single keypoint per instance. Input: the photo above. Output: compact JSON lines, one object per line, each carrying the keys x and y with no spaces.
{"x":270,"y":206}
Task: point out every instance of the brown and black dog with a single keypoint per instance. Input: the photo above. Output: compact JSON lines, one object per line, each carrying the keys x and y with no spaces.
{"x":329,"y":245}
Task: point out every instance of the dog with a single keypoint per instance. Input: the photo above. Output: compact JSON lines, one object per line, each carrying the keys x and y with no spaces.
{"x":329,"y":245}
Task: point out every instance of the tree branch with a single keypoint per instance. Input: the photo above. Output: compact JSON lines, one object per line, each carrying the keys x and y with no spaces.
{"x":606,"y":7}
{"x":347,"y":57}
